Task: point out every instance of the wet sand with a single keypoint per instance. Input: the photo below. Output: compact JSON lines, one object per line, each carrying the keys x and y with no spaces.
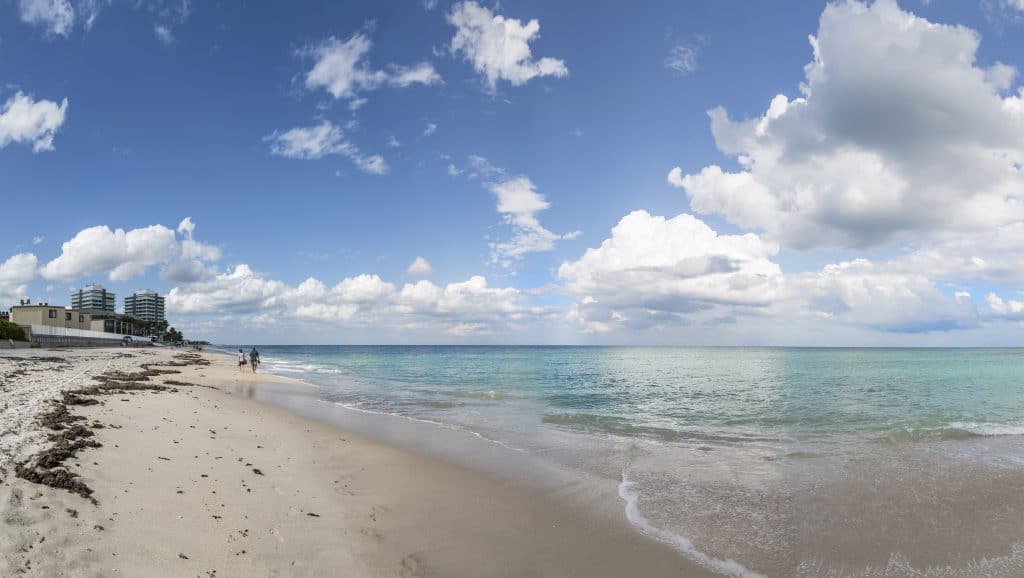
{"x":195,"y":480}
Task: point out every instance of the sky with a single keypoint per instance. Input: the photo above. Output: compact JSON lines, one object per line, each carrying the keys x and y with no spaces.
{"x":652,"y":173}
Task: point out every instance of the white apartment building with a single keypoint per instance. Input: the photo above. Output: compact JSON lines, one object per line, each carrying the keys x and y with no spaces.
{"x":93,"y":298}
{"x":145,"y":305}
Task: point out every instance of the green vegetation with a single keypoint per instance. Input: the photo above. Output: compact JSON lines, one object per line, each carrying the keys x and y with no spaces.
{"x":174,"y":336}
{"x":9,"y":330}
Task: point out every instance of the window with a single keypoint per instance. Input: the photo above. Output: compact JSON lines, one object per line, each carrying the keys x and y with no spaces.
{"x":81,"y":318}
{"x":67,"y":317}
{"x":53,"y":313}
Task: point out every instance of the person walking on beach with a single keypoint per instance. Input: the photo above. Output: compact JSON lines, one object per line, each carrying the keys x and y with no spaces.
{"x":254,"y":358}
{"x":241,"y":360}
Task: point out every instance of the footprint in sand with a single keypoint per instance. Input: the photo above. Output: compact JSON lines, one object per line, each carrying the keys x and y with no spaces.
{"x":378,"y":510}
{"x":411,"y":566}
{"x":371,"y":533}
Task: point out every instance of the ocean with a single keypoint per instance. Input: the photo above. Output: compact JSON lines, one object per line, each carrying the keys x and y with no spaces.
{"x":752,"y":461}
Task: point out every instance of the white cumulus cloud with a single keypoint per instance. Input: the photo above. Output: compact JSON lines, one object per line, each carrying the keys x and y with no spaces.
{"x":518,"y":203}
{"x":422,"y":73}
{"x":191,"y":265}
{"x":24,"y":120}
{"x":470,"y":300}
{"x":419,"y":267}
{"x":898,"y":134}
{"x":237,"y":290}
{"x":163,"y":33}
{"x":57,"y":17}
{"x":677,"y":265}
{"x":122,"y":254}
{"x":312,"y":299}
{"x":654,"y":271}
{"x":15,"y":275}
{"x":319,"y":141}
{"x":1006,"y":309}
{"x":342,"y":68}
{"x":499,"y":47}
{"x":862,"y":293}
{"x":119,"y":253}
{"x":461,"y":308}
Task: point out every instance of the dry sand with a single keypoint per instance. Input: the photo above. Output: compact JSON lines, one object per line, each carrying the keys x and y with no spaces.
{"x":195,"y":481}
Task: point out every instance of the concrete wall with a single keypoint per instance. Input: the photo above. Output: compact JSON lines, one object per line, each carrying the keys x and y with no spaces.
{"x":4,"y":344}
{"x":47,"y":335}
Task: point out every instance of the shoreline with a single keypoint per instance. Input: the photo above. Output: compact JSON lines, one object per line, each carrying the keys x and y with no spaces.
{"x":195,"y":480}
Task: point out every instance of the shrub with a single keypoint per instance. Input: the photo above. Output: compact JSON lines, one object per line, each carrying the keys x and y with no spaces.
{"x":9,"y":330}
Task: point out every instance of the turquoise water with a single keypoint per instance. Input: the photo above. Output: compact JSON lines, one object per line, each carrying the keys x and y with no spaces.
{"x":732,"y":395}
{"x":755,"y":461}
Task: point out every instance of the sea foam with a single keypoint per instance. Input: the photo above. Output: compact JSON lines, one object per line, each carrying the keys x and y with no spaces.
{"x":629,"y":494}
{"x":988,"y":429}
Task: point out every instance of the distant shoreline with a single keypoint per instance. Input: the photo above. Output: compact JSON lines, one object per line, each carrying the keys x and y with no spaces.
{"x":220,"y":349}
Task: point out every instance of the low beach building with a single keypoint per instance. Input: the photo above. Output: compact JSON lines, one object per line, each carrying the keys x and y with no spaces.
{"x":50,"y":315}
{"x":112,"y":324}
{"x":56,"y":325}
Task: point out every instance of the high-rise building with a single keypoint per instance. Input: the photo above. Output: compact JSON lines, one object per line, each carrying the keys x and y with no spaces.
{"x":93,"y":298}
{"x":145,"y":305}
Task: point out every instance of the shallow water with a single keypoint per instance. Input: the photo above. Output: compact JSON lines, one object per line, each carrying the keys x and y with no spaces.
{"x":779,"y":461}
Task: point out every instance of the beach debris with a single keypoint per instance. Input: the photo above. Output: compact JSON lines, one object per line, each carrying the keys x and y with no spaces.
{"x":182,"y":556}
{"x":178,"y":383}
{"x":46,"y":359}
{"x":58,"y":418}
{"x":257,"y":471}
{"x":47,"y":467}
{"x":312,"y":514}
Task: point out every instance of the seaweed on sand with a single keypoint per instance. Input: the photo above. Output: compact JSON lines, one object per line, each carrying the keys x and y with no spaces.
{"x":47,"y":466}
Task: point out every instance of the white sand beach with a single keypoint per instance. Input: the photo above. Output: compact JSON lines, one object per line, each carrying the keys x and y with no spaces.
{"x":195,"y":481}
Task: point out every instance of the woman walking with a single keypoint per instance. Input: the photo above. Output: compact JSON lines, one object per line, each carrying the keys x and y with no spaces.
{"x":241,"y":361}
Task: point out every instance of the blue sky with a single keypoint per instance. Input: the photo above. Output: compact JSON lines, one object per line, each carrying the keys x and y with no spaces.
{"x":318,"y":149}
